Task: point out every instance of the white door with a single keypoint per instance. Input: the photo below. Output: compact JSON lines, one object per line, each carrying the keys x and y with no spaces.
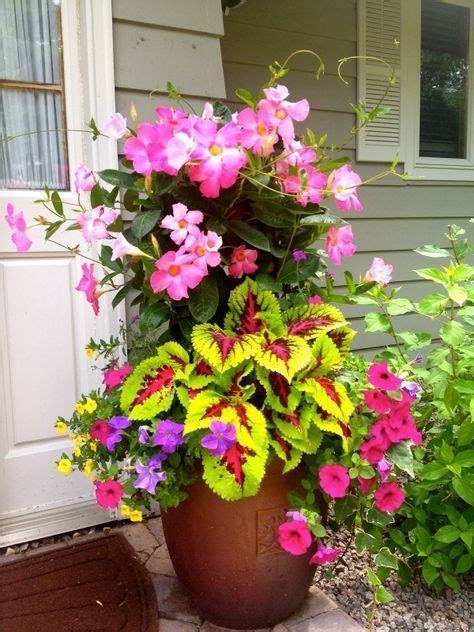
{"x":44,"y":323}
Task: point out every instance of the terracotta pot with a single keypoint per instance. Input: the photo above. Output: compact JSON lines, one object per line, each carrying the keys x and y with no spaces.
{"x":227,"y":557}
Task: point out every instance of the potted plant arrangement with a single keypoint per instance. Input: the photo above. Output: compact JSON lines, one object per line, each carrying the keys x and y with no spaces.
{"x":236,"y":410}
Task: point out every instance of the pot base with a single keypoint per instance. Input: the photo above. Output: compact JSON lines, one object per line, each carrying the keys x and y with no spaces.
{"x":228,"y":559}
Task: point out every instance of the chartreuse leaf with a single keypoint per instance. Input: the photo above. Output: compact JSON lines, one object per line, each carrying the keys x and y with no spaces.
{"x":148,"y":390}
{"x":221,"y":348}
{"x":434,"y":303}
{"x":326,"y":355}
{"x":290,"y":455}
{"x":286,"y":355}
{"x":382,"y":595}
{"x":329,"y":395}
{"x":377,"y":322}
{"x":250,"y":309}
{"x":308,"y":321}
{"x":432,"y":251}
{"x":280,"y":394}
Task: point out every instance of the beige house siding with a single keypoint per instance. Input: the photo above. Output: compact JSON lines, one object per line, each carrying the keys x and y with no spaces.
{"x":156,"y":41}
{"x":397,"y":216}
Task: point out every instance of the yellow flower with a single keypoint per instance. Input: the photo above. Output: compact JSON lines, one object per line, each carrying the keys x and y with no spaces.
{"x":90,"y":353}
{"x":90,"y":405}
{"x":64,"y":466}
{"x":80,"y":408}
{"x":93,"y":446}
{"x":136,"y":515}
{"x":77,"y":451}
{"x":61,"y":427}
{"x":88,"y":467}
{"x":125,"y":510}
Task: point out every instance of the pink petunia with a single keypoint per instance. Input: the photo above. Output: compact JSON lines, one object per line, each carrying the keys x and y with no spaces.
{"x":379,"y":376}
{"x":243,"y":261}
{"x":88,"y":284}
{"x":182,"y":222}
{"x":371,"y":451}
{"x":366,"y":484}
{"x":108,"y":493}
{"x":84,"y":179}
{"x":115,"y":126}
{"x":294,"y":537}
{"x":315,"y":300}
{"x":379,"y":271}
{"x":389,"y":497}
{"x":324,"y":555}
{"x":116,"y":375}
{"x":219,"y":157}
{"x":176,"y":273}
{"x":256,"y":134}
{"x":339,"y":243}
{"x":343,"y":183}
{"x":100,"y":431}
{"x":280,"y":113}
{"x":334,"y":480}
{"x":205,"y":248}
{"x":17,"y":224}
{"x":94,"y":223}
{"x":377,"y":401}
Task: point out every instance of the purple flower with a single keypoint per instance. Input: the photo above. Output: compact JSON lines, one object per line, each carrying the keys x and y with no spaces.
{"x":148,"y":476}
{"x":299,"y":255}
{"x":117,"y":424}
{"x":418,"y":359}
{"x":143,"y":436}
{"x":169,"y":435}
{"x":157,"y":460}
{"x":296,"y":515}
{"x":383,"y":468}
{"x":412,"y":389}
{"x":220,"y":439}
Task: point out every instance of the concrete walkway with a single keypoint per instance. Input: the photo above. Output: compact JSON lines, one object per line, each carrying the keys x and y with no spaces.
{"x":317,"y":614}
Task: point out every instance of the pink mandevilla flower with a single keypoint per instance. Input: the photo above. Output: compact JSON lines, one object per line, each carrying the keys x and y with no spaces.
{"x":308,"y":186}
{"x":324,"y":555}
{"x":280,"y":113}
{"x":108,"y":493}
{"x":379,"y":271}
{"x":116,"y":375}
{"x":256,"y":134}
{"x":294,"y":537}
{"x":94,"y":223}
{"x":88,"y":284}
{"x":219,"y":157}
{"x":182,"y":222}
{"x":17,"y":224}
{"x":334,"y":480}
{"x":115,"y":126}
{"x":84,"y":179}
{"x":389,"y":497}
{"x":121,"y":247}
{"x":343,"y":183}
{"x":176,"y":273}
{"x":243,"y":261}
{"x":315,"y":300}
{"x":380,"y":377}
{"x":339,"y":243}
{"x":147,"y":149}
{"x":204,"y":247}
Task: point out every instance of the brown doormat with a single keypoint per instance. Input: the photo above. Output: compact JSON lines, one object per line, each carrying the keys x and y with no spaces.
{"x":95,"y":586}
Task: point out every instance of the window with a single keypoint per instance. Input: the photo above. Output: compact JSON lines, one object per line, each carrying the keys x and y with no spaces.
{"x":430,"y":45}
{"x":32,"y":96}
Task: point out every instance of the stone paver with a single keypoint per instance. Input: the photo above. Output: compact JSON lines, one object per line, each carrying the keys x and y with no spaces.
{"x":333,"y":621}
{"x":173,"y":603}
{"x":168,"y":625}
{"x":156,"y":527}
{"x":139,"y":536}
{"x":159,"y":562}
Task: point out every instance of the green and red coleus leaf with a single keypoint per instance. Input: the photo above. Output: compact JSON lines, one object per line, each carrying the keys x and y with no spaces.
{"x":342,"y":338}
{"x":298,"y":428}
{"x":251,"y":310}
{"x":280,"y":394}
{"x":330,"y":396}
{"x":286,"y":355}
{"x":309,"y":321}
{"x":149,"y":389}
{"x":290,"y":455}
{"x":222,"y":349}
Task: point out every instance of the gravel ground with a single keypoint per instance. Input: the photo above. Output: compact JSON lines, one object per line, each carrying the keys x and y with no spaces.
{"x":414,"y":609}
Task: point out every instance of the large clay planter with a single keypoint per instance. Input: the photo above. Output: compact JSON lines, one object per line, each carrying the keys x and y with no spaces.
{"x":227,"y":558}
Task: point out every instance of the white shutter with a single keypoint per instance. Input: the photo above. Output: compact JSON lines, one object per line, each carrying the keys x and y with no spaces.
{"x":379,"y":35}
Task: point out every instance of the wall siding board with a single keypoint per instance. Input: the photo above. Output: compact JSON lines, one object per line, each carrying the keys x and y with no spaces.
{"x":204,"y":16}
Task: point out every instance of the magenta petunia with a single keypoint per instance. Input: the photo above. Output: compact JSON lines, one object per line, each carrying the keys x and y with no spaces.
{"x":100,"y":431}
{"x":371,"y":451}
{"x":389,"y":497}
{"x":324,"y":555}
{"x":116,"y":375}
{"x":108,"y":493}
{"x":366,"y":484}
{"x":380,"y":377}
{"x":294,"y":537}
{"x":315,"y":300}
{"x":377,"y":401}
{"x":334,"y":480}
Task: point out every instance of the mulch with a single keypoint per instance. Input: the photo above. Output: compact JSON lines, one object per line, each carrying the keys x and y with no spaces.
{"x":95,"y":586}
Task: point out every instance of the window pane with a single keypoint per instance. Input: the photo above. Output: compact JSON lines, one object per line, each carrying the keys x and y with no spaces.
{"x":29,"y":41}
{"x":31,"y":162}
{"x":444,"y":72}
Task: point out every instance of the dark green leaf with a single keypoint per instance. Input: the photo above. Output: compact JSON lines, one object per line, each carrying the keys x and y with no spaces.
{"x":97,"y":195}
{"x":272,"y":215}
{"x":464,"y":489}
{"x":57,"y":203}
{"x":379,"y":518}
{"x":121,"y":294}
{"x":120,"y":179}
{"x":204,"y":300}
{"x":144,"y":222}
{"x":251,"y":235}
{"x":429,"y":572}
{"x":152,"y":316}
{"x":345,"y":507}
{"x":464,"y":563}
{"x":447,"y":534}
{"x":322,"y":218}
{"x":297,"y":271}
{"x":267,"y":282}
{"x":52,"y":228}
